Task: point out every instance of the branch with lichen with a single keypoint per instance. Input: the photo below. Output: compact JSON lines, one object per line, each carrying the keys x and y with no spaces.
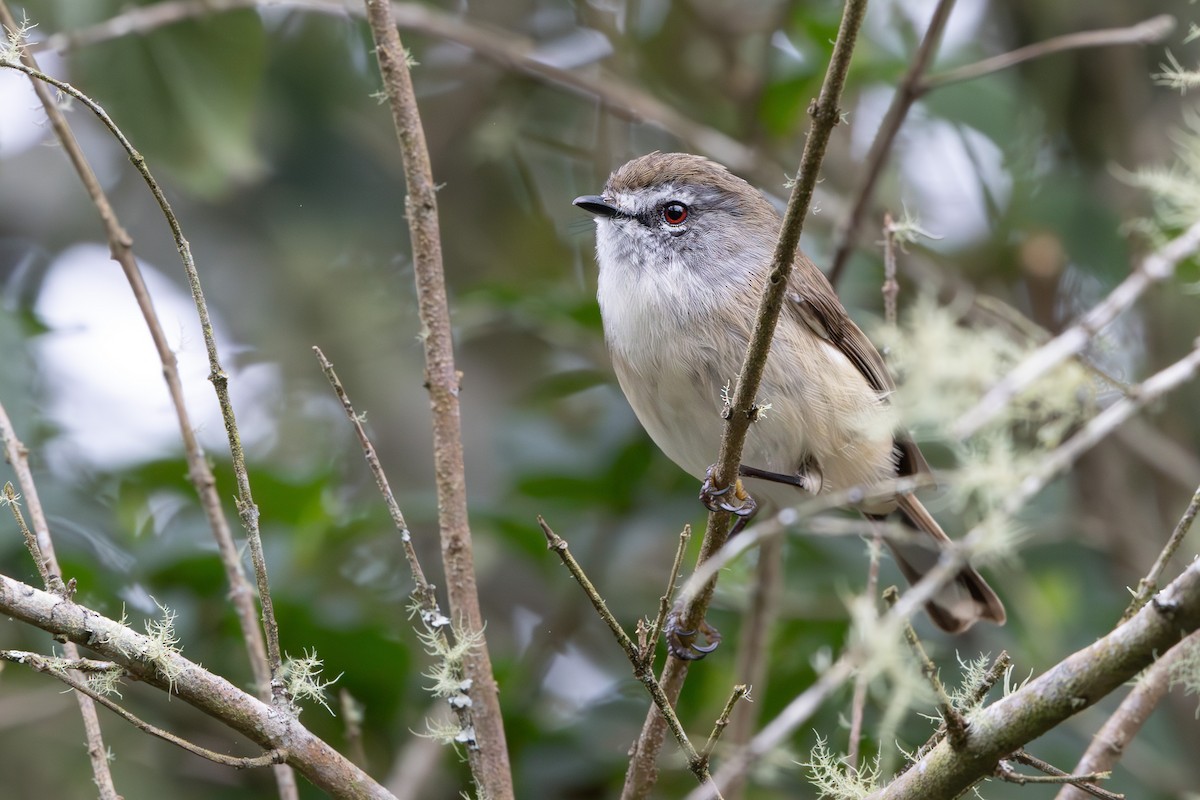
{"x":489,"y":759}
{"x":151,"y":658}
{"x":41,"y":548}
{"x":446,"y":642}
{"x":1075,"y":683}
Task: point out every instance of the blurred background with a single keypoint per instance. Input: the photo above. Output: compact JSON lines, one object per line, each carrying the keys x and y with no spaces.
{"x":264,"y":126}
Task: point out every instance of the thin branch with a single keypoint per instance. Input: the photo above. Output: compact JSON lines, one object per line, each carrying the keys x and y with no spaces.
{"x":862,"y":682}
{"x":891,"y":287}
{"x":956,"y":726}
{"x":31,"y":543}
{"x":649,"y":645}
{"x":1158,"y":266}
{"x":752,"y":664}
{"x":489,"y":763}
{"x":423,"y":590}
{"x":795,"y":714}
{"x":50,"y":666}
{"x":642,"y":668}
{"x":167,"y":670}
{"x":740,"y":692}
{"x":1148,"y":585}
{"x":1150,"y":31}
{"x":1008,"y":774}
{"x":1075,"y":683}
{"x":1109,"y":743}
{"x":264,"y":658}
{"x":825,"y":114}
{"x":437,"y":625}
{"x":881,"y":147}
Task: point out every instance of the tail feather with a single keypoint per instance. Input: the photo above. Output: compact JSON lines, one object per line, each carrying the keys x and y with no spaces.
{"x":962,"y":602}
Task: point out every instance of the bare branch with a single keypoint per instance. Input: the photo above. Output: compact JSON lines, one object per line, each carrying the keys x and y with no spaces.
{"x":881,"y":147}
{"x":650,"y":645}
{"x":643,"y":669}
{"x":1149,"y":31}
{"x":489,"y":763}
{"x":1148,"y":585}
{"x":145,"y":660}
{"x":1072,"y":685}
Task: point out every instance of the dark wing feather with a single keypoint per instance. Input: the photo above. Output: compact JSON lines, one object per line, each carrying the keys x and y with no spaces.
{"x":812,"y":300}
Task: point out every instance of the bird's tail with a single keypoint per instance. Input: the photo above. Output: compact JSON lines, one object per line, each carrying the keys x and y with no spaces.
{"x":960,"y":603}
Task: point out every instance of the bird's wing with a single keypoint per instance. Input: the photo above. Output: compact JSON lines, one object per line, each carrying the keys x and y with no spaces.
{"x":812,"y":300}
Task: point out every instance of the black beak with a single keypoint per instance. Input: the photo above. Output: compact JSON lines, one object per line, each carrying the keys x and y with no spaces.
{"x":595,"y":204}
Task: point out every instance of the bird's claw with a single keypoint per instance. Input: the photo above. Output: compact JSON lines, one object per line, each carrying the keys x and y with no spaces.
{"x":742,"y":504}
{"x":682,"y":644}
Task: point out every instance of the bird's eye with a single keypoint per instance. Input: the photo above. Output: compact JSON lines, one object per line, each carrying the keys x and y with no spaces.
{"x":674,"y":213}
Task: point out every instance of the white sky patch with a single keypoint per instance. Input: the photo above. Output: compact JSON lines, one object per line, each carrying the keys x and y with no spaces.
{"x":962,"y":27}
{"x":102,"y":378}
{"x":577,"y":681}
{"x":947,"y":169}
{"x":22,"y":120}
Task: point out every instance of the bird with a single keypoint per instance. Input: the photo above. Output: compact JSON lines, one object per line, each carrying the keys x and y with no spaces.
{"x":684,"y":250}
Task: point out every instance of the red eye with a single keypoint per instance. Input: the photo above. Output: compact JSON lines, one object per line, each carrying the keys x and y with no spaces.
{"x":674,"y":213}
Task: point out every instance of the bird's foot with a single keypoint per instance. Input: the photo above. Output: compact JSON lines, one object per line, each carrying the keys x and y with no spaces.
{"x":682,"y":644}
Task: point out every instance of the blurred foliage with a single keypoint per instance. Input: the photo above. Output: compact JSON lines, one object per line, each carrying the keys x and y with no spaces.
{"x":283,"y":170}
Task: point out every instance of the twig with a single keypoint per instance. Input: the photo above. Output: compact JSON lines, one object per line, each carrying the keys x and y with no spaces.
{"x":650,"y":642}
{"x":1158,"y":266}
{"x":423,"y":590}
{"x":490,"y":764}
{"x":169,"y":671}
{"x":50,"y":666}
{"x":1109,"y":743}
{"x":1149,"y":31}
{"x":752,"y":664}
{"x":264,"y":658}
{"x":799,"y":710}
{"x":1075,"y":683}
{"x":31,"y":543}
{"x":1148,"y":585}
{"x":77,"y":664}
{"x":989,"y":679}
{"x":740,"y":692}
{"x":891,"y":287}
{"x":1085,"y":780}
{"x":437,"y":624}
{"x":352,"y":718}
{"x":1007,"y":773}
{"x":956,"y":726}
{"x":825,"y":113}
{"x":858,"y":702}
{"x":643,"y":669}
{"x":881,"y":147}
